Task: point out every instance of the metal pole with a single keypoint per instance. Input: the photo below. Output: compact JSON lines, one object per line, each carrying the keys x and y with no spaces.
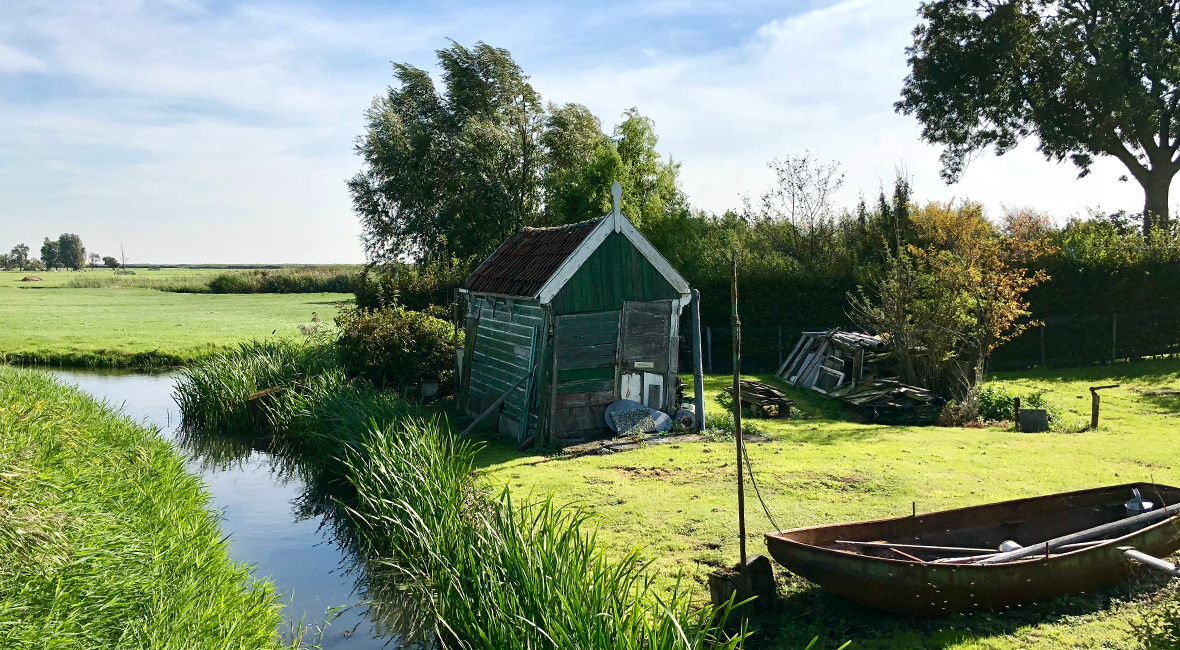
{"x":698,"y":380}
{"x":737,"y":416}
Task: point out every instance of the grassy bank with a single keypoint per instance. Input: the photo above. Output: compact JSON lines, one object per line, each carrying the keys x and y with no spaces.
{"x":105,"y":540}
{"x":486,"y":571}
{"x":678,"y":501}
{"x":47,"y":324}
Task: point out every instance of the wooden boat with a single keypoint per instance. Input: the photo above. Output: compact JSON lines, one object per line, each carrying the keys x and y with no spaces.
{"x":946,"y":562}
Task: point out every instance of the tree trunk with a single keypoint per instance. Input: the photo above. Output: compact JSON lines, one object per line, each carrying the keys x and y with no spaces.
{"x":1155,"y":204}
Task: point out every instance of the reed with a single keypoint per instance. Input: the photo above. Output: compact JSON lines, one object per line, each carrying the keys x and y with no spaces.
{"x":175,"y":283}
{"x":105,"y":540}
{"x":484,"y":571}
{"x":301,"y":279}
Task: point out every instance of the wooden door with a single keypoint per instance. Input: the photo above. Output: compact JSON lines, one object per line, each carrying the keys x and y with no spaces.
{"x":645,"y":329}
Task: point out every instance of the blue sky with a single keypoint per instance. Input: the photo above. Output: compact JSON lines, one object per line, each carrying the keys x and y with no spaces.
{"x":222,"y":131}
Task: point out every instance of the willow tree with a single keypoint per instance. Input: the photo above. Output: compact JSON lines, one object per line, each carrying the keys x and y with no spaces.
{"x":1087,"y":78}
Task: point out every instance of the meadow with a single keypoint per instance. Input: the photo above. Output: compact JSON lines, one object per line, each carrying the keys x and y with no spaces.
{"x":677,"y":502}
{"x":106,"y":541}
{"x":673,"y":502}
{"x":49,"y":322}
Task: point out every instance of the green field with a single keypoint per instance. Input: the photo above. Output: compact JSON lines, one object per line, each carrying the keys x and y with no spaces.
{"x":46,"y":322}
{"x":678,"y":501}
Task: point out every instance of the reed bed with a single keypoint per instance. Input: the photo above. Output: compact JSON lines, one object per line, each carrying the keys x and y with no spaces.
{"x":480,"y":570}
{"x":174,"y":283}
{"x":304,"y":279}
{"x":105,"y":540}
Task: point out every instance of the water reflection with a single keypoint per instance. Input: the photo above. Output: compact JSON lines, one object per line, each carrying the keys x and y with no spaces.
{"x":273,"y":520}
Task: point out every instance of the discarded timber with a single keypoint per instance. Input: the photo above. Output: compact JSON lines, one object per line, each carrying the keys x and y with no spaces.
{"x":768,"y":399}
{"x":874,"y":576}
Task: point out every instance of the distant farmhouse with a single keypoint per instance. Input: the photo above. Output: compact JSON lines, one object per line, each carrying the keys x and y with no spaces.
{"x":570,"y":319}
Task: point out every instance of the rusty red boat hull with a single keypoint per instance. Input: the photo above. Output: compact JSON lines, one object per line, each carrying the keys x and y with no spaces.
{"x":927,"y":589}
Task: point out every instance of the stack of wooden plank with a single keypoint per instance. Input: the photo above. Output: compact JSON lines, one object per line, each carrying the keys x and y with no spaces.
{"x":888,"y":401}
{"x":771,"y":401}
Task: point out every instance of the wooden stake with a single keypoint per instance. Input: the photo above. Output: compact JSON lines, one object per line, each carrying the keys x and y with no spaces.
{"x":737,"y":415}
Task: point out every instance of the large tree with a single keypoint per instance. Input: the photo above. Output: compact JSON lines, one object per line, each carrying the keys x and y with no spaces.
{"x":70,"y":251}
{"x":20,"y":255}
{"x":49,"y":253}
{"x":451,"y":173}
{"x":447,"y":172}
{"x":1087,"y":78}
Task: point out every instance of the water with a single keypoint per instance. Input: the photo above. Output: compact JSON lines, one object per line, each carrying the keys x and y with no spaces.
{"x":258,"y":506}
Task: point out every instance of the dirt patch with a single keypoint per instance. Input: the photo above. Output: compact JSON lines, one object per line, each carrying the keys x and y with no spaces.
{"x":615,"y":445}
{"x":31,"y":278}
{"x":824,"y":481}
{"x":658,"y":473}
{"x":1157,"y":392}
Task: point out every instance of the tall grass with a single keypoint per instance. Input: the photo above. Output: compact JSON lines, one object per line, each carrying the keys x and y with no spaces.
{"x":304,"y":279}
{"x":175,"y":283}
{"x":485,"y":571}
{"x":105,"y":540}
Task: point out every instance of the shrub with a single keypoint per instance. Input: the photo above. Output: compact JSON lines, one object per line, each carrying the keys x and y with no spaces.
{"x":396,"y":347}
{"x":1159,"y":629}
{"x":412,"y":286}
{"x":997,"y":403}
{"x":309,"y":279}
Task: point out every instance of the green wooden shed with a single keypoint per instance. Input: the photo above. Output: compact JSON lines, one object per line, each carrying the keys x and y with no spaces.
{"x":563,"y":321}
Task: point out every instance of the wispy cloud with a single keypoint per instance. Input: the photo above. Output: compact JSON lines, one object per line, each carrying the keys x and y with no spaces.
{"x":222,"y":131}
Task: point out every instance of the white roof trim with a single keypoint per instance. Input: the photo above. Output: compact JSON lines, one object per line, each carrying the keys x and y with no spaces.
{"x":614,"y":221}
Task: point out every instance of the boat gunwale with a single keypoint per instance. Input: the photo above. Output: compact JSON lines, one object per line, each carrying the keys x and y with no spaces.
{"x":779,"y":536}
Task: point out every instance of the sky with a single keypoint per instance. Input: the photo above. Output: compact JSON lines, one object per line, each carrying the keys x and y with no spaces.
{"x":223,"y":131}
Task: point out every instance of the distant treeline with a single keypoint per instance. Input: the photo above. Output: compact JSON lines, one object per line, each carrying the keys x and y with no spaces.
{"x":304,"y":279}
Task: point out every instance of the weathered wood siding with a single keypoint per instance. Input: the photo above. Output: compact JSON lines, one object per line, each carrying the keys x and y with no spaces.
{"x":615,"y":272}
{"x":585,"y":347}
{"x":506,"y":339}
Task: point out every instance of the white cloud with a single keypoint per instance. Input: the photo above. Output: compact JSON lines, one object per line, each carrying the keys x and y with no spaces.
{"x":824,"y":81}
{"x":14,"y":61}
{"x":197,"y":135}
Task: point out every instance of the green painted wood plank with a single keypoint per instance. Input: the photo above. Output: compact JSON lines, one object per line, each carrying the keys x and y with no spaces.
{"x":589,"y":373}
{"x":585,"y":386}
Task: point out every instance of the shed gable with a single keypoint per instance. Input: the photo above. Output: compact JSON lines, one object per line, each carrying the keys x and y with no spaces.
{"x":615,"y":272}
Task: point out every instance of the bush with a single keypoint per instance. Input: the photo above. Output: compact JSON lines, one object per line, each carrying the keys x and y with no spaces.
{"x":1159,"y":629}
{"x":997,"y":403}
{"x":397,"y":347}
{"x":310,"y":279}
{"x":412,"y":286}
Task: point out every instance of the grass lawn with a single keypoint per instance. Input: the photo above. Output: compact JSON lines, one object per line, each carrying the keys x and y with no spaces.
{"x":678,"y":502}
{"x":106,"y":541}
{"x":45,"y":322}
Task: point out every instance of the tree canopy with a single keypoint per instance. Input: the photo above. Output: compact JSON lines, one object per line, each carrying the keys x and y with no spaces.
{"x":1087,"y":78}
{"x":70,"y":251}
{"x":452,"y":172}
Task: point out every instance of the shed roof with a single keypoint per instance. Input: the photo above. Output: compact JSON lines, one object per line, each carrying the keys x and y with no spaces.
{"x":523,"y":263}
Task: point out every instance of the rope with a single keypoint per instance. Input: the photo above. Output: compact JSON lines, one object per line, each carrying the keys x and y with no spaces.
{"x":750,"y":471}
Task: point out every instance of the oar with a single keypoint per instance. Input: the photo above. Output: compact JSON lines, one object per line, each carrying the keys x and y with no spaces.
{"x":1085,"y":535}
{"x":1150,"y":560}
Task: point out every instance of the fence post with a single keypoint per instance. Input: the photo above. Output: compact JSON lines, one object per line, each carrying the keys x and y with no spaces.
{"x":780,"y":348}
{"x":709,"y":345}
{"x":1042,"y":346}
{"x":1114,"y":336}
